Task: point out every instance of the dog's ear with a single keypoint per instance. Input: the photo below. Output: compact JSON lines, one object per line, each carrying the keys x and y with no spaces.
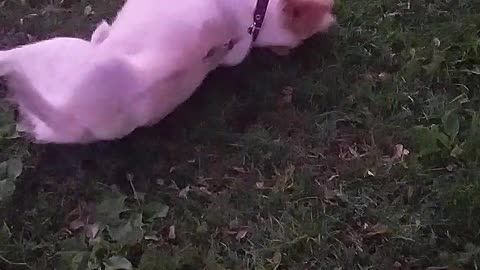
{"x":306,"y":17}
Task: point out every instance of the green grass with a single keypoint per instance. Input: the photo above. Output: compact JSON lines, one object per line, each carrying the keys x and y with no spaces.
{"x":239,"y":177}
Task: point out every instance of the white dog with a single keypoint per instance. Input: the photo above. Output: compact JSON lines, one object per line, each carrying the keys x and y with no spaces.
{"x":151,"y":59}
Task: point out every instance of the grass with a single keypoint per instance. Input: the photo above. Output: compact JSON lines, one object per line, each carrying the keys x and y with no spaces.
{"x":359,"y":151}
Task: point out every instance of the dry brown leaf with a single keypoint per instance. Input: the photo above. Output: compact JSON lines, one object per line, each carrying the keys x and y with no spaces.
{"x":91,"y":230}
{"x":378,"y":229}
{"x":329,"y":194}
{"x":400,"y":152}
{"x":241,"y":234}
{"x":171,"y":232}
{"x":384,"y":76}
{"x":239,"y":169}
{"x":410,"y":192}
{"x":205,"y":190}
{"x":152,"y":237}
{"x":260,"y":185}
{"x":276,"y":260}
{"x":285,"y":180}
{"x":450,"y":167}
{"x":76,"y":224}
{"x":285,"y":98}
{"x":184,"y":192}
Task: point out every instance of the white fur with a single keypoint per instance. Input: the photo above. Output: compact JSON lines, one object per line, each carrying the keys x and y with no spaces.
{"x":100,"y":33}
{"x":133,"y":72}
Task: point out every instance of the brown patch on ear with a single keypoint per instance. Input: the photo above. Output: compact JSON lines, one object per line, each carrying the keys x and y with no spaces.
{"x":302,"y":17}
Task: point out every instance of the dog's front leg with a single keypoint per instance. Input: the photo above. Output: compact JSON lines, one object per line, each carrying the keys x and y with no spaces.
{"x":238,"y":53}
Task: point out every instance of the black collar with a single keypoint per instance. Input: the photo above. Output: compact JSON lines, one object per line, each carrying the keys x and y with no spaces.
{"x":258,"y":17}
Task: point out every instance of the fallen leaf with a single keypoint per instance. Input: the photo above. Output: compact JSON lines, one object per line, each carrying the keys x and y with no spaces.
{"x":80,"y":260}
{"x":378,"y":229}
{"x":129,"y":232}
{"x":457,"y":151}
{"x":76,"y":224}
{"x":152,"y":237}
{"x":400,"y":152}
{"x":285,"y":180}
{"x":155,"y":258}
{"x":260,"y":185}
{"x":204,"y":190}
{"x":276,"y":260}
{"x":109,"y":209}
{"x":329,"y":194}
{"x":7,"y":188}
{"x":410,"y":192}
{"x":14,"y":169}
{"x":5,"y":234}
{"x":239,"y":169}
{"x":9,"y":172}
{"x":184,"y":192}
{"x":91,"y":230}
{"x":241,"y":234}
{"x":171,"y":232}
{"x":155,"y":210}
{"x":286,"y":97}
{"x":88,"y":10}
{"x":450,"y":167}
{"x":202,"y":227}
{"x":383,"y":76}
{"x":451,"y":124}
{"x":118,"y":263}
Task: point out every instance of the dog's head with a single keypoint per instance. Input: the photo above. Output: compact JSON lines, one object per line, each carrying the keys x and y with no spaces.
{"x":289,"y":22}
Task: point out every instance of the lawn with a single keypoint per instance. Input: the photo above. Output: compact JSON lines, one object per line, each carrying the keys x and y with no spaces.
{"x":358,"y":151}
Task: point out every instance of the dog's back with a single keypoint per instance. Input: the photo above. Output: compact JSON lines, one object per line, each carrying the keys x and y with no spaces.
{"x":167,"y":44}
